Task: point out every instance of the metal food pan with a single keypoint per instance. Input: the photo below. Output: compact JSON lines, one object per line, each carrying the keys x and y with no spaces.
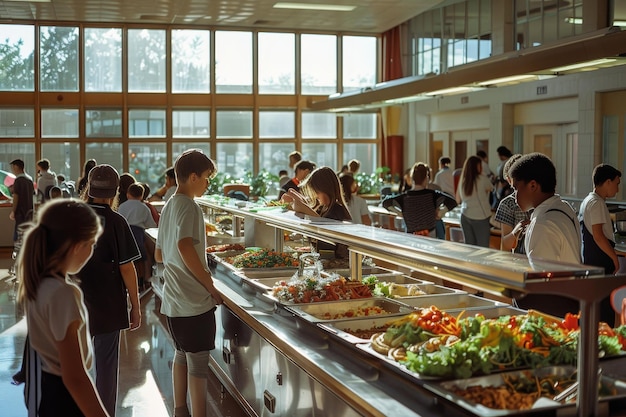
{"x":341,"y":329}
{"x":429,"y":288}
{"x":445,"y":389}
{"x":490,"y":312}
{"x":315,"y":312}
{"x":454,"y":301}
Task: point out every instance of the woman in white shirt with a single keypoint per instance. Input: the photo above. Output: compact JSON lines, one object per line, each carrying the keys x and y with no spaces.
{"x":473,"y":196}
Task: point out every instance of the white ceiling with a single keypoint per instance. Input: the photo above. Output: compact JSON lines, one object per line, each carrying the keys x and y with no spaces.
{"x":369,"y":16}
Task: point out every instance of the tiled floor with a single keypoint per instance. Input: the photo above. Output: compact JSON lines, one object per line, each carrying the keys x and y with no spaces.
{"x":145,"y":377}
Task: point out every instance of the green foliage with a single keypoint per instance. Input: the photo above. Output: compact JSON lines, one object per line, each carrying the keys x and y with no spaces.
{"x":216,"y":185}
{"x":372,"y":183}
{"x":262,"y":183}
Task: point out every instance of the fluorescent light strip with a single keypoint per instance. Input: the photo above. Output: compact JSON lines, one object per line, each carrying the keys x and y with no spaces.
{"x":309,"y":6}
{"x":453,"y":90}
{"x":513,"y":78}
{"x":579,"y":21}
{"x":583,"y":65}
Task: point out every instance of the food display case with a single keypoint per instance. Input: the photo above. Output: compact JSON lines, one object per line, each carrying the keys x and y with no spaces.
{"x":276,"y":365}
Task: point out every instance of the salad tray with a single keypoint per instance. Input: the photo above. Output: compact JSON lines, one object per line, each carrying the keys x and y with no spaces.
{"x":347,"y":329}
{"x":610,"y":389}
{"x":336,"y":310}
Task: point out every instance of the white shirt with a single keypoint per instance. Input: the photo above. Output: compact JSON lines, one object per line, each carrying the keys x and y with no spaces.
{"x":357,"y":208}
{"x":552,"y":235}
{"x":183,"y":294}
{"x":445,"y":180}
{"x":593,"y":210}
{"x":476,"y":206}
{"x":137,"y":213}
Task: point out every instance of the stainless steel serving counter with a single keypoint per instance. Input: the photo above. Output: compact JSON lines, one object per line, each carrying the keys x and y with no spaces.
{"x":339,"y":378}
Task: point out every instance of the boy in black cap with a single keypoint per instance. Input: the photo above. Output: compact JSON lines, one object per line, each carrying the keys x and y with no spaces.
{"x":106,"y":280}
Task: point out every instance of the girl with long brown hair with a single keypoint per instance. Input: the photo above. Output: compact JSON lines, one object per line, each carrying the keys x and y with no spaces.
{"x":473,"y":195}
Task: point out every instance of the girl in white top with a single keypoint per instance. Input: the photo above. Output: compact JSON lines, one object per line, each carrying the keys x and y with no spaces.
{"x":59,"y":244}
{"x":357,"y":206}
{"x":473,"y":196}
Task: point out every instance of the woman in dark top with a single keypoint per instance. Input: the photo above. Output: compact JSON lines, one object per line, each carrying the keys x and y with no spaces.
{"x":321,"y":196}
{"x":420,"y":205}
{"x":82,"y":181}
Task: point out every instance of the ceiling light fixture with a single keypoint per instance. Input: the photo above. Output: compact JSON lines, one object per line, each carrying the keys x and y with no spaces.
{"x":583,"y":65}
{"x":453,"y":90}
{"x":511,"y":79}
{"x":308,"y":6}
{"x":579,"y":21}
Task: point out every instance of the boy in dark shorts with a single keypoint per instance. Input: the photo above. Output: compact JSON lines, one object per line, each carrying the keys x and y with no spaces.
{"x":189,"y":296}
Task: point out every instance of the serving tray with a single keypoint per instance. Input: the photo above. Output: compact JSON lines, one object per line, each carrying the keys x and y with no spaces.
{"x":320,"y":312}
{"x":445,"y":389}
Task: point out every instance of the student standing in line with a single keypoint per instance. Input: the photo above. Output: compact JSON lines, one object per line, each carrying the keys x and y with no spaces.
{"x":473,"y":195}
{"x":22,"y":192}
{"x":553,"y":233}
{"x":189,"y":296}
{"x":59,"y":244}
{"x":598,"y":238}
{"x":108,"y":280}
{"x":513,"y":220}
{"x":444,"y":177}
{"x":45,"y":179}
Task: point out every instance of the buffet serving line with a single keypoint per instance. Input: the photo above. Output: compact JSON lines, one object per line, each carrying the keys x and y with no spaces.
{"x":284,"y":350}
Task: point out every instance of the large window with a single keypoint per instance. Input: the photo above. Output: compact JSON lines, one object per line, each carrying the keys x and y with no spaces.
{"x":234,"y":158}
{"x":146,"y":64}
{"x":59,"y":123}
{"x":106,"y":153}
{"x":146,"y":123}
{"x":58,"y":58}
{"x":103,"y":59}
{"x":103,"y":123}
{"x":318,"y":64}
{"x":450,"y":35}
{"x":191,"y":123}
{"x":323,"y":154}
{"x":17,"y":57}
{"x":22,"y":150}
{"x":191,"y":58}
{"x":277,"y":63}
{"x":277,"y":124}
{"x":233,"y":62}
{"x":147,"y":162}
{"x":359,"y":62}
{"x":136,"y":96}
{"x":17,"y":123}
{"x":360,"y":126}
{"x":64,"y":158}
{"x":317,"y":125}
{"x":234,"y":124}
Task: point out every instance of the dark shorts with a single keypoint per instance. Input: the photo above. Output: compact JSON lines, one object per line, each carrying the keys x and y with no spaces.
{"x":193,"y":334}
{"x":56,"y":400}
